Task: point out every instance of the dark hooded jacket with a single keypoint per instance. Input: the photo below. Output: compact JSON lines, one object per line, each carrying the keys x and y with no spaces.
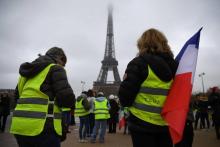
{"x":55,"y":85}
{"x":163,"y":65}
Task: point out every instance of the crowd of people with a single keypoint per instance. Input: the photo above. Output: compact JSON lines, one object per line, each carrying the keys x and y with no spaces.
{"x":96,"y":112}
{"x":47,"y":106}
{"x":207,"y":110}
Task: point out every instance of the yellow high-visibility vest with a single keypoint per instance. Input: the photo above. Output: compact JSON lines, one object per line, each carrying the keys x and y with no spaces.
{"x":31,"y":111}
{"x":79,"y":109}
{"x":101,"y":109}
{"x":150,"y":99}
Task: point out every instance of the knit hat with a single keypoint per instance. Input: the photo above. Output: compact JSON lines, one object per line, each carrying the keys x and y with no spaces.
{"x":56,"y":52}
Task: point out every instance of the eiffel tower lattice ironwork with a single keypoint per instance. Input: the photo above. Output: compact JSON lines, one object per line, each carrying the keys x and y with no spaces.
{"x":109,"y":63}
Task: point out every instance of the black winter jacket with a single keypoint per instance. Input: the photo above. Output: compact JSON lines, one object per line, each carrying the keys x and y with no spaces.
{"x":162,"y":65}
{"x":214,"y":101}
{"x":114,"y":108}
{"x":55,"y":85}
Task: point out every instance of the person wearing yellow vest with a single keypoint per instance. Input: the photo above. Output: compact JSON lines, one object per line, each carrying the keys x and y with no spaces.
{"x":146,"y":83}
{"x":82,"y":111}
{"x":66,"y":116}
{"x":101,"y":108}
{"x":41,"y":92}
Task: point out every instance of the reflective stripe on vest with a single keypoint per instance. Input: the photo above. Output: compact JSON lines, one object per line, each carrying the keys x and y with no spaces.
{"x":31,"y":110}
{"x":154,"y":91}
{"x":150,"y":99}
{"x":66,"y":109}
{"x":147,"y":108}
{"x":33,"y":101}
{"x":39,"y":115}
{"x":79,"y":109}
{"x":32,"y":114}
{"x":101,"y":109}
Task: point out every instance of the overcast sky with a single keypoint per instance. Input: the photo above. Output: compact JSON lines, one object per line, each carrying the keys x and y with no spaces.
{"x":29,"y":27}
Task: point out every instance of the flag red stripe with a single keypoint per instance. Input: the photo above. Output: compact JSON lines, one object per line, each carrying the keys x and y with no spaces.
{"x":176,"y":106}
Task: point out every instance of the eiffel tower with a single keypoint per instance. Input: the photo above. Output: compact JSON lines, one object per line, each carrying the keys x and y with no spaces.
{"x":109,"y":63}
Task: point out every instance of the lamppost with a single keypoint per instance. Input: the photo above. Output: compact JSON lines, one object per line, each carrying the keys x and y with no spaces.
{"x":201,"y":75}
{"x":83,"y":84}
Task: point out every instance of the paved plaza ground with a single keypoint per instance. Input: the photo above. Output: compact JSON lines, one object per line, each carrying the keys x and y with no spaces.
{"x":203,"y":138}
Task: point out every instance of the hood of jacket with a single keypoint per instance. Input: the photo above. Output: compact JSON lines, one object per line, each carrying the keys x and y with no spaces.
{"x":30,"y":69}
{"x":162,"y":64}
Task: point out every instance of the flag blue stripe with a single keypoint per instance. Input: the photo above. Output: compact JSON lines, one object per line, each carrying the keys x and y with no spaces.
{"x":193,"y":40}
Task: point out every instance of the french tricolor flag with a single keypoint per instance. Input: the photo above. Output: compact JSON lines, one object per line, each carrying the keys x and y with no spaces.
{"x":177,"y":103}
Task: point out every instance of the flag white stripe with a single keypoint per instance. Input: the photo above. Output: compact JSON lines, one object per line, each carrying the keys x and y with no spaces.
{"x":188,"y":61}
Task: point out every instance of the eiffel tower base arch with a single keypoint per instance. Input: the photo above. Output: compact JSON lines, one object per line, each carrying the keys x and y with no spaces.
{"x":107,"y":89}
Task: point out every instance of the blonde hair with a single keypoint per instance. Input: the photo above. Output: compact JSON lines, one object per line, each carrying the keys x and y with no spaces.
{"x":153,"y":41}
